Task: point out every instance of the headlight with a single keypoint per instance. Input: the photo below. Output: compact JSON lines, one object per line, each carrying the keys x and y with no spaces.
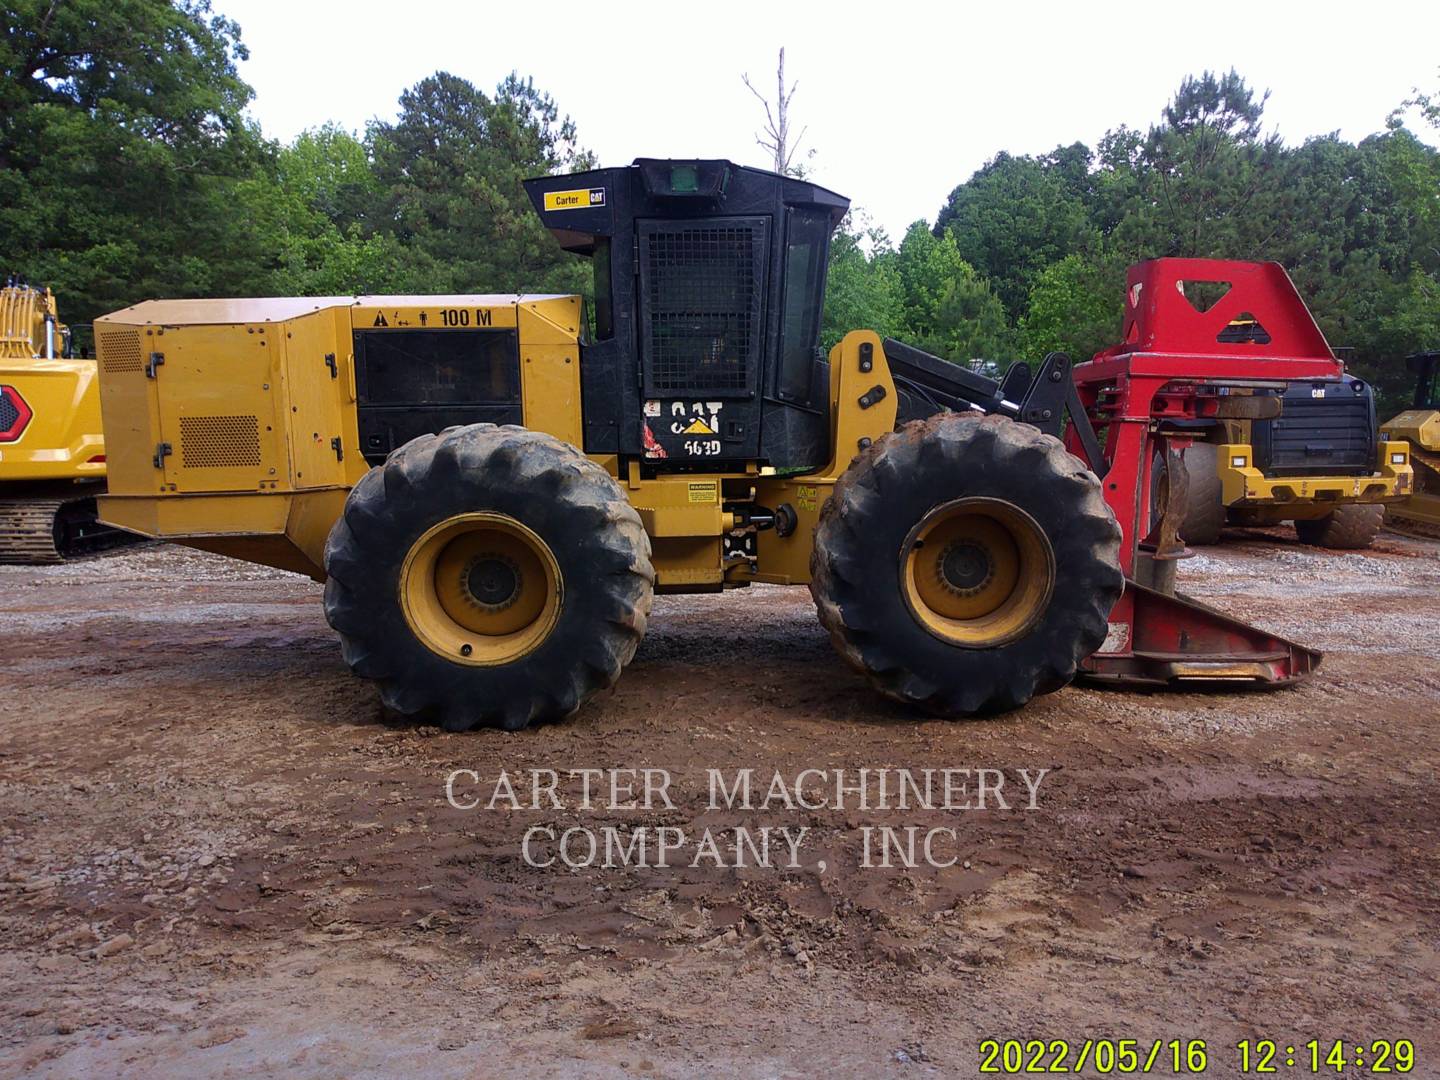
{"x":1397,"y":459}
{"x":1237,"y":461}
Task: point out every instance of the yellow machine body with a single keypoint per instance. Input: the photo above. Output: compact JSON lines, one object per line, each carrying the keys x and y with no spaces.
{"x":234,"y":429}
{"x":1273,"y":499}
{"x":1418,"y":432}
{"x":50,"y":413}
{"x":52,"y":451}
{"x":1289,"y":498}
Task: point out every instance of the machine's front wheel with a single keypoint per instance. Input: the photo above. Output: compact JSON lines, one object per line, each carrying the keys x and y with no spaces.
{"x":1351,"y":527}
{"x":965,"y":564}
{"x":488,"y":576}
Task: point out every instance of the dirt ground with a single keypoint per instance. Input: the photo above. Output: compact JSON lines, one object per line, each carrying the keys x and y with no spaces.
{"x":218,"y":857}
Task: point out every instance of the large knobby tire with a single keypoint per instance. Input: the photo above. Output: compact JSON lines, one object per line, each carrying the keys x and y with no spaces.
{"x":1204,"y":511}
{"x":488,"y":576}
{"x":1351,"y":527}
{"x":965,"y":564}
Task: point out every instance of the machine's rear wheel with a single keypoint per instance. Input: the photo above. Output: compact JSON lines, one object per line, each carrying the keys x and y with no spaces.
{"x":1350,"y":527}
{"x":1204,"y":510}
{"x":965,"y":564}
{"x":488,"y":576}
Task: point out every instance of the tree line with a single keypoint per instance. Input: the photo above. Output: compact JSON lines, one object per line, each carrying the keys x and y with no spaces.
{"x":1029,"y":254}
{"x":130,"y":169}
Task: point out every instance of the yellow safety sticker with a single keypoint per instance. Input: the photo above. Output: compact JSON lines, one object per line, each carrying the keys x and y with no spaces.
{"x":805,"y":496}
{"x":582,"y":199}
{"x":704,"y":491}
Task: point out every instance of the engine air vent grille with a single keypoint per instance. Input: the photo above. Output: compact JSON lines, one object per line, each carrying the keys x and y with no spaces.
{"x":219,"y":442}
{"x":1325,"y":428}
{"x":9,"y":412}
{"x":120,"y":351}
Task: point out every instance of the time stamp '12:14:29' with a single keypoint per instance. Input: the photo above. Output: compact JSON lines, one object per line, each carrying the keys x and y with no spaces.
{"x":1327,"y":1056}
{"x":1191,"y":1057}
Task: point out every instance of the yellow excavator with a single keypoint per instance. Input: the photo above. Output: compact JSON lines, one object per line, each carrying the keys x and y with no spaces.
{"x":52,"y":451}
{"x":1419,"y":426}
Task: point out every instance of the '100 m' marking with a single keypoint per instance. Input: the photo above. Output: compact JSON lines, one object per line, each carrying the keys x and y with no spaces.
{"x":461,"y":317}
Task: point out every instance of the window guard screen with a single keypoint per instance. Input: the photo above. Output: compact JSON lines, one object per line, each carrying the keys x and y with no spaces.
{"x":702,"y":284}
{"x":438,"y":367}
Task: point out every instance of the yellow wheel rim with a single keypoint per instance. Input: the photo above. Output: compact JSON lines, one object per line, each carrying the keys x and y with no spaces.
{"x":481,"y":589}
{"x":977,"y":572}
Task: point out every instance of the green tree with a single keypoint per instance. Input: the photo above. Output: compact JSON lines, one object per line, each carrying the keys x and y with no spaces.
{"x":1211,"y":174}
{"x":1413,"y":168}
{"x":1118,"y":209}
{"x":1416,"y":322}
{"x":1357,"y":226}
{"x":970,"y":322}
{"x":1015,"y":217}
{"x":328,"y":200}
{"x":949,"y":309}
{"x":1075,"y":307}
{"x":927,"y":264}
{"x":127,"y":168}
{"x":452,"y":166}
{"x":862,"y":291}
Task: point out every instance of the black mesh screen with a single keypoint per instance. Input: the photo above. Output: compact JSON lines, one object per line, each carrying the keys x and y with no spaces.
{"x":8,"y":412}
{"x":438,"y":367}
{"x":702,"y":286}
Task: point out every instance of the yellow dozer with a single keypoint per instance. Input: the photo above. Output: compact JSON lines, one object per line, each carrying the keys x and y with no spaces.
{"x":52,"y":452}
{"x":1419,"y":426}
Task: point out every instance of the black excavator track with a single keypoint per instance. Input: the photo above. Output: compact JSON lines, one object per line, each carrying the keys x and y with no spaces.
{"x":50,"y":529}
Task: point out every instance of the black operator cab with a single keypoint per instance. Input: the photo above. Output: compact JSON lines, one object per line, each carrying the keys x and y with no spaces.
{"x":709,"y":290}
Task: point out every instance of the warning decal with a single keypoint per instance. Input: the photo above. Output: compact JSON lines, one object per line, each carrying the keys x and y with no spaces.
{"x":704,"y":491}
{"x":582,"y":199}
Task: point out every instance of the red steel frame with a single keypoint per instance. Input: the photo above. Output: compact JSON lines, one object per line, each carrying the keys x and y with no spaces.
{"x":1170,"y":366}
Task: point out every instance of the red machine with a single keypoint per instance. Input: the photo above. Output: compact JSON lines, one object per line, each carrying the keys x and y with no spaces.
{"x":1177,"y":361}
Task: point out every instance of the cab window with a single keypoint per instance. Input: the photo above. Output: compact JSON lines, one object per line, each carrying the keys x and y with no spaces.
{"x":807,"y":238}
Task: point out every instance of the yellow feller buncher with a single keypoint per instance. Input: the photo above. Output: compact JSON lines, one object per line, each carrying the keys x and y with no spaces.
{"x":52,"y":453}
{"x":493,"y":488}
{"x":1419,"y":426}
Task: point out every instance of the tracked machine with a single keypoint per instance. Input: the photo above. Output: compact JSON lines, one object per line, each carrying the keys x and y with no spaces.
{"x":1418,"y":428}
{"x":493,"y":488}
{"x":52,"y":453}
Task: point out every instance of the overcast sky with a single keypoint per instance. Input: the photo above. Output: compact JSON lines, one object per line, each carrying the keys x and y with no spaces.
{"x":902,"y":100}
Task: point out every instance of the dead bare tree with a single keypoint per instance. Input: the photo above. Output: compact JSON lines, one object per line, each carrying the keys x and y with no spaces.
{"x":777,"y":122}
